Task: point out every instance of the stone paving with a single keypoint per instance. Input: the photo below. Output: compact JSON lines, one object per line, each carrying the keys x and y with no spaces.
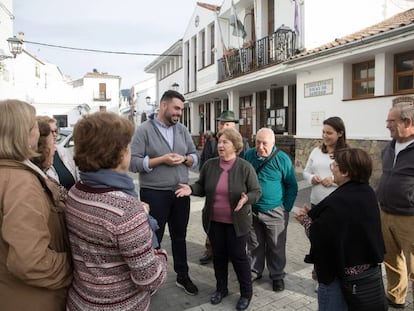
{"x":298,"y":295}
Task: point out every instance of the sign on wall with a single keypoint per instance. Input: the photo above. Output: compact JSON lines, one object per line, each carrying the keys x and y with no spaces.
{"x":319,"y":88}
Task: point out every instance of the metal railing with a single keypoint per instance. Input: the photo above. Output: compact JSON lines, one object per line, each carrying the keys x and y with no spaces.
{"x":102,"y":96}
{"x":270,"y":50}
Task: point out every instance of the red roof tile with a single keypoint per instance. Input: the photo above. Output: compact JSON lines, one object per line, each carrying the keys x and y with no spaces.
{"x":208,"y":6}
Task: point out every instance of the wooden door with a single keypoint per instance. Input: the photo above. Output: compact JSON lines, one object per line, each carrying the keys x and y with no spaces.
{"x":246,"y":118}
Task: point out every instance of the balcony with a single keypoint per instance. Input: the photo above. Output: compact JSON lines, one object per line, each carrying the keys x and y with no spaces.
{"x":101,"y":96}
{"x":270,"y":50}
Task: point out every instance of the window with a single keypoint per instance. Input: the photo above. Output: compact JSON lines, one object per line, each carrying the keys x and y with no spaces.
{"x":37,"y":71}
{"x":246,"y":117}
{"x":404,"y":72}
{"x":363,"y":79}
{"x":270,"y":16}
{"x":277,"y":114}
{"x":208,"y":116}
{"x":212,"y":54}
{"x":194,"y":79}
{"x":61,"y":120}
{"x":203,"y":49}
{"x":102,"y":91}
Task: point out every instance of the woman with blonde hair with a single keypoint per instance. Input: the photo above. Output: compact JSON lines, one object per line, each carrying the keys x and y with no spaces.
{"x":35,"y":267}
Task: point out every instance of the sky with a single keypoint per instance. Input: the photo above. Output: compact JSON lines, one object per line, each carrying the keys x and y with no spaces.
{"x":134,"y":26}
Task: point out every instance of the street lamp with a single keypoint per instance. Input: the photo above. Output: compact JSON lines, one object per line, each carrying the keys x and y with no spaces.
{"x":15,"y":46}
{"x":175,"y":86}
{"x":148,"y":101}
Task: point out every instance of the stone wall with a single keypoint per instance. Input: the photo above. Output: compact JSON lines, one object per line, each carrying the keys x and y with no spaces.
{"x":303,"y":148}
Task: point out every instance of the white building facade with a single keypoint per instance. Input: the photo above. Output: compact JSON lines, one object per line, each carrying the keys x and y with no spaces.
{"x":271,"y":75}
{"x":43,"y":85}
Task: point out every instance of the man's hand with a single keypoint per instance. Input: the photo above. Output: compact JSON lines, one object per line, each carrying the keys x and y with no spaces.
{"x":173,"y":159}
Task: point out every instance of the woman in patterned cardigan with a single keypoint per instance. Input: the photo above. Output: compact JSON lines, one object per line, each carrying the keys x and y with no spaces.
{"x":115,"y":265}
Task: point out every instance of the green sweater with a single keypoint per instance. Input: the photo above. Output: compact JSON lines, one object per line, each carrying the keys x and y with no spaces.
{"x":277,"y":180}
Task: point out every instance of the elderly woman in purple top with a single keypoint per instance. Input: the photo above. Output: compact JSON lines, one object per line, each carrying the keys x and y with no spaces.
{"x":230,"y":186}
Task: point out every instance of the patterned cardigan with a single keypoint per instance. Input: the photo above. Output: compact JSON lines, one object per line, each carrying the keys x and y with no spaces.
{"x":115,"y":267}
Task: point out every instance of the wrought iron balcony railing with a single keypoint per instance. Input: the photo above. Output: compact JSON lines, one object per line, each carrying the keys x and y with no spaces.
{"x":271,"y":50}
{"x":102,"y":96}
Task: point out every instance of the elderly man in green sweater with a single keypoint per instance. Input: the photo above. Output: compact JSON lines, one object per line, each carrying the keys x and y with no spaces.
{"x":267,"y":242}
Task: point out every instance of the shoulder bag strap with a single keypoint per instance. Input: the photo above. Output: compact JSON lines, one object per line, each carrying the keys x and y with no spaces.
{"x":268,"y":159}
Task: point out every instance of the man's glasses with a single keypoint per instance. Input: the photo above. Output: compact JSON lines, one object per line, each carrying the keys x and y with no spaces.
{"x":392,"y":121}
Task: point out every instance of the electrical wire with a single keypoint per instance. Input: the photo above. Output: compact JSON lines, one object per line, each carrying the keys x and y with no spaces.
{"x":98,"y":51}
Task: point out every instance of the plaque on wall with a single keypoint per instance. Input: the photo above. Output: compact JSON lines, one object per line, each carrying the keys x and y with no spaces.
{"x":319,"y":88}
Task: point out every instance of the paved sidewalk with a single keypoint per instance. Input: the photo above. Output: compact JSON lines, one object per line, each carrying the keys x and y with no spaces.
{"x":298,"y":295}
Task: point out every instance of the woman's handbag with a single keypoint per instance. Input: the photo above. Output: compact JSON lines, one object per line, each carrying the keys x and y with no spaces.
{"x":365,"y":291}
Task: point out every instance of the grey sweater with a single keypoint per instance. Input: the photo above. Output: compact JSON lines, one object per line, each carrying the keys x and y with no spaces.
{"x":148,"y":141}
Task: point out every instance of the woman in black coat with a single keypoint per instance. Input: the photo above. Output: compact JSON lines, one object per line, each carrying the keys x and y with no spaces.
{"x":346,"y":240}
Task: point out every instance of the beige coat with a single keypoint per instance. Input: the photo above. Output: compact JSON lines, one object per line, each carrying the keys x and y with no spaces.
{"x":35,"y":267}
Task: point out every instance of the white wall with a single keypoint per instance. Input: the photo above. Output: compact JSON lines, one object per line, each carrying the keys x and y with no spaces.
{"x":363,"y":118}
{"x":6,"y":26}
{"x":91,"y":91}
{"x":284,"y":13}
{"x":143,"y":89}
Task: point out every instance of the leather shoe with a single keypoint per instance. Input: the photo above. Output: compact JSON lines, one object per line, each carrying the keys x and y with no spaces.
{"x":205,"y":259}
{"x":256,"y":276}
{"x":217,"y":297}
{"x":278,"y":285}
{"x":243,"y":303}
{"x":396,"y":305}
